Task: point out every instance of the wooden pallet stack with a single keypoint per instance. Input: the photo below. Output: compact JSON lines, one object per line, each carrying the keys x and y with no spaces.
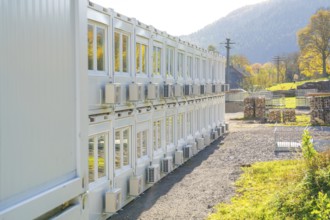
{"x":289,"y":115}
{"x":274,"y":116}
{"x":249,"y":107}
{"x":320,"y":109}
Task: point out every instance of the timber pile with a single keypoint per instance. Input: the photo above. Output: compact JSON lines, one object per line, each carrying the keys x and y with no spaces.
{"x":289,"y":115}
{"x":254,"y":107}
{"x":320,"y":110}
{"x":249,"y":107}
{"x":274,"y":115}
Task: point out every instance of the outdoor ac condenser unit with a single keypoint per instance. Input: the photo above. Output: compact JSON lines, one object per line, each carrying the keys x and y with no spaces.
{"x":153,"y":173}
{"x":187,"y":151}
{"x":135,"y":185}
{"x":113,"y":200}
{"x":152,"y":91}
{"x":194,"y":148}
{"x":167,"y":165}
{"x":208,"y":88}
{"x":219,"y":131}
{"x":213,"y":135}
{"x":213,"y":88}
{"x":177,"y":90}
{"x":178,"y":157}
{"x":135,"y":92}
{"x":202,"y":89}
{"x":207,"y":140}
{"x":187,"y":90}
{"x":200,"y":143}
{"x":218,"y":88}
{"x":223,"y":88}
{"x":196,"y":89}
{"x":167,"y":92}
{"x":112,"y":93}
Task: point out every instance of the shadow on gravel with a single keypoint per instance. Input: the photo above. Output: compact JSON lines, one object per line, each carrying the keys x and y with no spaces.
{"x":146,"y":200}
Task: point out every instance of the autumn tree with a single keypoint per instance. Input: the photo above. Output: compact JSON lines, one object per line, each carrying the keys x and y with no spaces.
{"x":239,"y":60}
{"x":212,"y":48}
{"x":315,"y":37}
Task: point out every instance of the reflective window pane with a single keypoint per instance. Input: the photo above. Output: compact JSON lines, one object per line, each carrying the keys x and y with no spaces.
{"x":117,"y":150}
{"x":144,"y":143}
{"x":117,"y":51}
{"x":159,"y":135}
{"x":90,"y":47}
{"x":144,"y":58}
{"x":159,"y":59}
{"x":101,"y":143}
{"x":125,"y":54}
{"x":138,"y":144}
{"x":125,"y":147}
{"x":91,"y":175}
{"x":100,"y":48}
{"x":137,"y":58}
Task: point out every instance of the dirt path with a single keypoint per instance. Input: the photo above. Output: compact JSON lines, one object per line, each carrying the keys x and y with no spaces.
{"x":193,"y":189}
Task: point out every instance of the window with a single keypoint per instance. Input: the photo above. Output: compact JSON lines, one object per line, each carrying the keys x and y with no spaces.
{"x":157,"y":132}
{"x":180,"y":125}
{"x":197,"y":65}
{"x":96,"y":47}
{"x":141,"y":58}
{"x":180,"y":64}
{"x":169,"y":61}
{"x":142,"y":143}
{"x":189,"y":122}
{"x":157,"y":58}
{"x":169,"y":130}
{"x":189,"y":66}
{"x":121,"y":52}
{"x":122,"y":143}
{"x":204,"y":75}
{"x":97,"y":157}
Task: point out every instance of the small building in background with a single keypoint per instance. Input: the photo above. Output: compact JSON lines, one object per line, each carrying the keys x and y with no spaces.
{"x":236,"y":76}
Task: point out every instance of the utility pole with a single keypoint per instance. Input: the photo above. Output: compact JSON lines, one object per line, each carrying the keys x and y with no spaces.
{"x":277,"y":60}
{"x":227,"y":43}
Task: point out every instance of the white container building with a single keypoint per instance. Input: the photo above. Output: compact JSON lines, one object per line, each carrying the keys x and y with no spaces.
{"x":96,"y":107}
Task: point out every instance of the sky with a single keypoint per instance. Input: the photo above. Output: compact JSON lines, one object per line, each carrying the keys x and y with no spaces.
{"x":176,"y":17}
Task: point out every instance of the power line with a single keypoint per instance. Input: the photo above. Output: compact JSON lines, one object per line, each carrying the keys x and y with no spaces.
{"x":227,"y":43}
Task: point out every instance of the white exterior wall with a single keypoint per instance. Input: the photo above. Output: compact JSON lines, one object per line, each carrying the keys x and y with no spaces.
{"x":43,"y":108}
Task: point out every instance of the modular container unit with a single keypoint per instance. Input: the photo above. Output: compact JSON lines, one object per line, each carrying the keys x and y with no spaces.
{"x":95,"y":133}
{"x":43,"y":109}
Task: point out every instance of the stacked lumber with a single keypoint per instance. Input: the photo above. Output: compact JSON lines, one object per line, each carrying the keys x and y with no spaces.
{"x":289,"y":115}
{"x":320,"y":110}
{"x":274,"y":115}
{"x":254,"y":107}
{"x":249,"y":107}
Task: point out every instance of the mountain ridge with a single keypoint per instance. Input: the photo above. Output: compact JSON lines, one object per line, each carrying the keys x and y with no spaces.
{"x":260,"y":31}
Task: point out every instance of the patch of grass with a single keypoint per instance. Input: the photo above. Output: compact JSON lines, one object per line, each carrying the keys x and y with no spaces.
{"x":290,"y":102}
{"x":291,"y":85}
{"x":291,"y":189}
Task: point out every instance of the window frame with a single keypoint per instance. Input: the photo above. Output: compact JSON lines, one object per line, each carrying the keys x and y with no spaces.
{"x":140,"y":72}
{"x":121,"y":148}
{"x":169,"y":130}
{"x":159,"y":51}
{"x":170,"y":56}
{"x":121,"y":63}
{"x":95,"y":71}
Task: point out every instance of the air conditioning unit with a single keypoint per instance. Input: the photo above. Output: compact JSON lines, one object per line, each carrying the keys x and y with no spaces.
{"x":135,"y":92}
{"x":112,"y":93}
{"x":202,"y":89}
{"x":222,"y":129}
{"x":152,"y":91}
{"x":135,"y":185}
{"x":177,"y":90}
{"x":219,"y":131}
{"x":227,"y":87}
{"x":167,"y":92}
{"x":153,"y":173}
{"x":207,"y":140}
{"x":113,"y":200}
{"x":194,"y":148}
{"x":213,"y":135}
{"x":227,"y":127}
{"x":167,"y":165}
{"x":218,"y":88}
{"x":196,"y":89}
{"x":187,"y":151}
{"x":187,"y":90}
{"x":213,"y":88}
{"x":178,"y":157}
{"x":223,"y":88}
{"x":200,"y":143}
{"x":208,"y":88}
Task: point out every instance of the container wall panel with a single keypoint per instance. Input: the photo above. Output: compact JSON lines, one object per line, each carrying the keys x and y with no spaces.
{"x":38,"y":97}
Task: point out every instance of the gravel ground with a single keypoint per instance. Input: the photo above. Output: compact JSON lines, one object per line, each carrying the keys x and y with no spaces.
{"x":191,"y":191}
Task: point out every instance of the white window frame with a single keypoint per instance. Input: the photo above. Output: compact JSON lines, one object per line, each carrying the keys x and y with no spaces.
{"x":157,"y":135}
{"x":94,"y":71}
{"x":144,"y":42}
{"x":142,"y":144}
{"x":170,"y":62}
{"x":189,"y":66}
{"x":121,"y":63}
{"x":121,"y":142}
{"x":180,"y":66}
{"x":106,"y":156}
{"x":169,"y":130}
{"x":180,"y":121}
{"x":157,"y":47}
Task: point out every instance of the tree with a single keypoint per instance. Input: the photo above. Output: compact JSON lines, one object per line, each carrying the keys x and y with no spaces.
{"x":316,"y":37}
{"x":212,"y":48}
{"x":239,"y":60}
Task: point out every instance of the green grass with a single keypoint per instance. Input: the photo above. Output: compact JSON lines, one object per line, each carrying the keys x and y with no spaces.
{"x":290,"y":102}
{"x":291,"y":85}
{"x":290,"y":189}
